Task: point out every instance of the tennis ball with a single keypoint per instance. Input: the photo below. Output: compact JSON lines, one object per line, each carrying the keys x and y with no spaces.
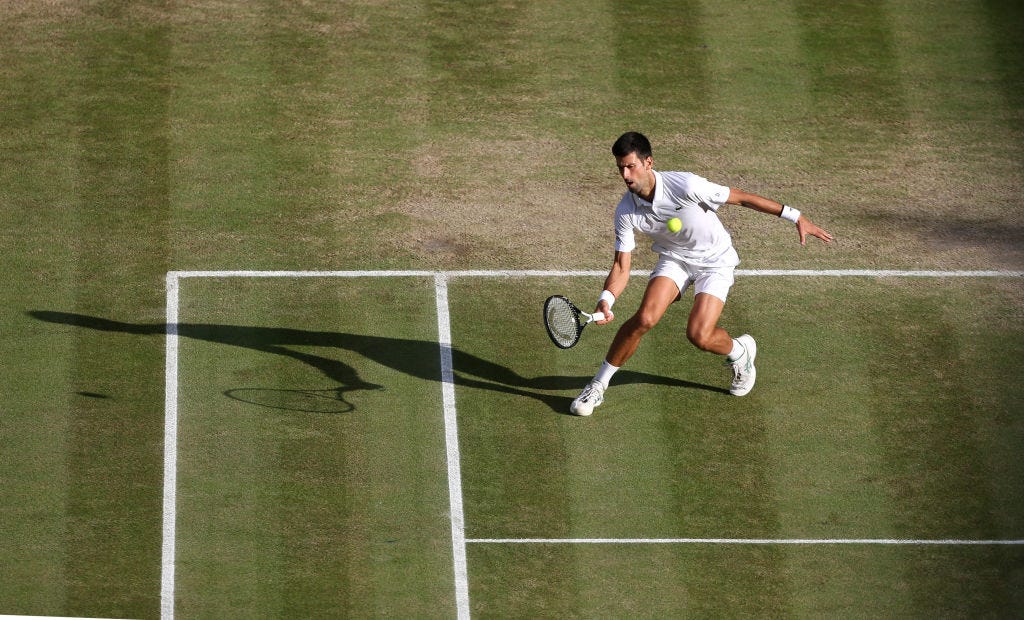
{"x":675,"y":225}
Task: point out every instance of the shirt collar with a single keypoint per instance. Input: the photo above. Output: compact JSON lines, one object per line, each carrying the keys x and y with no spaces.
{"x":659,"y":192}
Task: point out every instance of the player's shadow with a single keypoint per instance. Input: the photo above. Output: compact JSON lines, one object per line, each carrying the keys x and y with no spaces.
{"x":416,"y":358}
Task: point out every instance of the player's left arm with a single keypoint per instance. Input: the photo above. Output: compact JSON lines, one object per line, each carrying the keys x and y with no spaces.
{"x":804,"y":226}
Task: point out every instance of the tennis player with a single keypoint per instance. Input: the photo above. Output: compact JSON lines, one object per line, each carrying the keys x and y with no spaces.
{"x":699,"y":254}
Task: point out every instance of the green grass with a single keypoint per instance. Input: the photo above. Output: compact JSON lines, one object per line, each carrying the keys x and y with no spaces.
{"x":863,"y":428}
{"x":293,"y":502}
{"x":142,"y":137}
{"x":857,"y":430}
{"x":303,"y":505}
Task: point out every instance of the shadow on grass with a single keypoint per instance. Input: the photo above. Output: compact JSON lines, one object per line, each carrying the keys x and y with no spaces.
{"x":416,"y":358}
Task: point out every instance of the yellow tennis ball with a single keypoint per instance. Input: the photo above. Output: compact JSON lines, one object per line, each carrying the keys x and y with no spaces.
{"x":675,"y":225}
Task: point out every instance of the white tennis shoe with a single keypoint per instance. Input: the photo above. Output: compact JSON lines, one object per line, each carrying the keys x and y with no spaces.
{"x":743,"y":372}
{"x":590,"y":397}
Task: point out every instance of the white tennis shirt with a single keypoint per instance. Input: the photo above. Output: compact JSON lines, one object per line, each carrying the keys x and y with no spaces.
{"x":703,"y":240}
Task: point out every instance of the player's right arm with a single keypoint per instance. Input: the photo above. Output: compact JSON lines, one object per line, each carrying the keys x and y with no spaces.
{"x":625,"y":242}
{"x":615,"y":283}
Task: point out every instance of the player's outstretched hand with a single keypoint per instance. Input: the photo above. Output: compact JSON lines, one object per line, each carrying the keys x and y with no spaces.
{"x":609,"y":316}
{"x":806,"y":227}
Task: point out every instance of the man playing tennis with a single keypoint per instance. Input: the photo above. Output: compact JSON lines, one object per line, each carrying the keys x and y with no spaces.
{"x":700,"y":253}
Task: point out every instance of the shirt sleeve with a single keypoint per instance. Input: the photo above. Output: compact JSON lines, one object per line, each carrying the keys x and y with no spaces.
{"x":625,"y":235}
{"x":707,"y":194}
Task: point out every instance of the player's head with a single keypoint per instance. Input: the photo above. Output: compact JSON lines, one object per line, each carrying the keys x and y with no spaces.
{"x":632,"y":153}
{"x":632,"y":142}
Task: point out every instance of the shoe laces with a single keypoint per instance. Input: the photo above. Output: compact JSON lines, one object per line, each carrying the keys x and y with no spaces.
{"x":593,"y":390}
{"x":739,"y":367}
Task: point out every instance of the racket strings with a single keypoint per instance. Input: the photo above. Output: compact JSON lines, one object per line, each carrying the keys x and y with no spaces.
{"x":562,"y":322}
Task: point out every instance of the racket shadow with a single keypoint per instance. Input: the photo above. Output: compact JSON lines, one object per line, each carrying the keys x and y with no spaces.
{"x":330,"y":400}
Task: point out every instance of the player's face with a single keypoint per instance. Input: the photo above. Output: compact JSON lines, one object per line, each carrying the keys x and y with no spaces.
{"x":637,"y":174}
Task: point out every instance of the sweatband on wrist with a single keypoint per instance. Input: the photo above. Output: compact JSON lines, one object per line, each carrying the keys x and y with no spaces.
{"x":789,"y":213}
{"x":608,"y":296}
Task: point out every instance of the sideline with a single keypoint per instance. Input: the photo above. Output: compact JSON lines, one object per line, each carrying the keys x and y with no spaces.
{"x":451,"y":442}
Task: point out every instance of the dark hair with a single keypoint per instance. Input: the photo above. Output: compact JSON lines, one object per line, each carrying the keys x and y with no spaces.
{"x":632,"y":142}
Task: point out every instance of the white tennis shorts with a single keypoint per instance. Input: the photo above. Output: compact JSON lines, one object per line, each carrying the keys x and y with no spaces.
{"x":711,"y":280}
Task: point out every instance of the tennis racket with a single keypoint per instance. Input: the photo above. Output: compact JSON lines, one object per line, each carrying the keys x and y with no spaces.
{"x":563,"y":322}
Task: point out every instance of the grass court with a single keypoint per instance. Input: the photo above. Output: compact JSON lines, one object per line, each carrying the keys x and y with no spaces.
{"x":189,"y":431}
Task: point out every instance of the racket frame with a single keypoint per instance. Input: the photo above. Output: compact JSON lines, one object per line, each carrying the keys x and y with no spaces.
{"x":577,"y":313}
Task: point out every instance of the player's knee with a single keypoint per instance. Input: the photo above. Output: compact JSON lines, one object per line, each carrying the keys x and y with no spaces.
{"x":641,"y":323}
{"x":701,"y":338}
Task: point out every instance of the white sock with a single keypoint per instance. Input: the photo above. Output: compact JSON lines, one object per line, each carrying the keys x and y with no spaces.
{"x":737,"y":351}
{"x":604,"y":376}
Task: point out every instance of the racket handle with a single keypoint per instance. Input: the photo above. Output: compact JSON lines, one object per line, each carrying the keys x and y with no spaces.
{"x":597,"y":316}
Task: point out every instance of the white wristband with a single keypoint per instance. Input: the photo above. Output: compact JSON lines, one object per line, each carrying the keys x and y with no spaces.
{"x":789,"y":213}
{"x":608,"y":296}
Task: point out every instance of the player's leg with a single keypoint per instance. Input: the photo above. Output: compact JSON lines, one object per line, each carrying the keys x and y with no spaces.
{"x":702,"y":327}
{"x":660,"y":293}
{"x":711,"y":288}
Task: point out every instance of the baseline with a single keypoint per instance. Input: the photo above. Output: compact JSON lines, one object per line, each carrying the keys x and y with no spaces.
{"x":525,"y":273}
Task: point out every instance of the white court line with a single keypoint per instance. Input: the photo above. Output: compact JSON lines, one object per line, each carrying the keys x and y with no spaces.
{"x":302,"y":274}
{"x":459,"y":541}
{"x":879,"y":273}
{"x":526,"y":273}
{"x":451,"y":441}
{"x":737,"y":541}
{"x":170,"y":451}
